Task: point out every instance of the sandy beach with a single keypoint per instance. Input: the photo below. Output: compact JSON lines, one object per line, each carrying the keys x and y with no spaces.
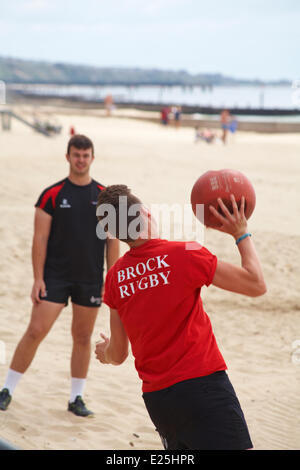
{"x":257,"y":336}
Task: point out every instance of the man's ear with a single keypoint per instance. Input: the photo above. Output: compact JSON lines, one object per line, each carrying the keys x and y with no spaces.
{"x":67,"y":157}
{"x":151,"y":222}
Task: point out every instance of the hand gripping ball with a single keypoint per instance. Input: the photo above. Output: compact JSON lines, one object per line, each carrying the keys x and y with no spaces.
{"x":221,"y":183}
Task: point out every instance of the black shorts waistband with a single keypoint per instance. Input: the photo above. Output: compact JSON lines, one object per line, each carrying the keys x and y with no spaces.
{"x":202,"y":379}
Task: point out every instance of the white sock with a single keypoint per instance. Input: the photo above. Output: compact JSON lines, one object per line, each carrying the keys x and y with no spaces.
{"x":77,"y":387}
{"x":12,"y":380}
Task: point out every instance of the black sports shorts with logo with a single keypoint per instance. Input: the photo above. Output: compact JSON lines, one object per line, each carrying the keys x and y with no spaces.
{"x":85,"y":294}
{"x":199,"y":414}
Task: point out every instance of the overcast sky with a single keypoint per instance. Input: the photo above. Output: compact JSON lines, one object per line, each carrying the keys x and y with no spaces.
{"x":240,"y":38}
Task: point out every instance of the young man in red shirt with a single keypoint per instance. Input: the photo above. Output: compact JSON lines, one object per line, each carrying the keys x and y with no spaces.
{"x":153,"y":292}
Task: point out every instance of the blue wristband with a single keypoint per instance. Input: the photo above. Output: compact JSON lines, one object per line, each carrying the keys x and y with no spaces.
{"x":242,"y":238}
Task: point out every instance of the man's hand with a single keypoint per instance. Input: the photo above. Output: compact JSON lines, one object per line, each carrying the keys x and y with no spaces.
{"x":234,"y":224}
{"x":39,"y":287}
{"x":101,"y":347}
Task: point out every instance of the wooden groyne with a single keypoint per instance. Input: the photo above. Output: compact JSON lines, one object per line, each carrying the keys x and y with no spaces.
{"x":268,"y":121}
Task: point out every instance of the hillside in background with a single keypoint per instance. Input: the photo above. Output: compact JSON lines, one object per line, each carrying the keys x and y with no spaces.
{"x":28,"y":71}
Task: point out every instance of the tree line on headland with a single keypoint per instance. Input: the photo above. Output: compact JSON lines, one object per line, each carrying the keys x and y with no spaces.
{"x":13,"y":70}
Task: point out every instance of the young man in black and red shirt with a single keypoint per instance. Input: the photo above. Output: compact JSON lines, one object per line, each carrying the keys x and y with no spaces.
{"x":68,"y":262}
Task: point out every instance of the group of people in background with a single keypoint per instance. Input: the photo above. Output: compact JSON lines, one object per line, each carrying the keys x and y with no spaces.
{"x":171,"y":114}
{"x":228,"y":124}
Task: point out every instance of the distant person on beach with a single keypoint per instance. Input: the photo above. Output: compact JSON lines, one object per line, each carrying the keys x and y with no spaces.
{"x":233,"y":125}
{"x":176,"y":111}
{"x":206,"y":135}
{"x":68,"y":260}
{"x":109,"y":104}
{"x":153,"y":292}
{"x":165,"y":115}
{"x":225,"y":123}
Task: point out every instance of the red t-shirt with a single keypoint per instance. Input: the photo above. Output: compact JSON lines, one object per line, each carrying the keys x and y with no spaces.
{"x":156,"y":290}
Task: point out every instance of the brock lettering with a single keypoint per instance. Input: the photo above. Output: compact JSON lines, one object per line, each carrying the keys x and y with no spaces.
{"x":141,"y":268}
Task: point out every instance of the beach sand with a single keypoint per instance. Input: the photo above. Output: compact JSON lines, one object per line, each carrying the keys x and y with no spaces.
{"x":256,"y":336}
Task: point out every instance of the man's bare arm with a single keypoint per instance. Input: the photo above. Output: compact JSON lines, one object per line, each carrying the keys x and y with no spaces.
{"x":248,"y":278}
{"x":114,"y":350}
{"x":42,"y":227}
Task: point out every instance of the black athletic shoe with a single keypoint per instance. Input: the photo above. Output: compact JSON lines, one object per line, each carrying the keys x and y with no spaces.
{"x":78,"y":407}
{"x":5,"y":399}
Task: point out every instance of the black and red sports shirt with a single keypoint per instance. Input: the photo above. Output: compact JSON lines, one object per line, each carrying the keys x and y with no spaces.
{"x":74,"y":251}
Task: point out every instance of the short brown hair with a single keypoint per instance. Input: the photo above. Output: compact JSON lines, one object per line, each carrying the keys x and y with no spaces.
{"x":111,"y":196}
{"x":80,"y":142}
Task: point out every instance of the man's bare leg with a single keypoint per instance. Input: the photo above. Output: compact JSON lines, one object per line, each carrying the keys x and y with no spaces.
{"x":82,"y":329}
{"x":43,"y":317}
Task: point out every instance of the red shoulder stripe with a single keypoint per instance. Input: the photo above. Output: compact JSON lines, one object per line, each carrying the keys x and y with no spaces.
{"x":101,"y":187}
{"x":52,"y":192}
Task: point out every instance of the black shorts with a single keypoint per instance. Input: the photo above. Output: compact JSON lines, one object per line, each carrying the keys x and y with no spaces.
{"x":85,"y":294}
{"x":199,"y":414}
